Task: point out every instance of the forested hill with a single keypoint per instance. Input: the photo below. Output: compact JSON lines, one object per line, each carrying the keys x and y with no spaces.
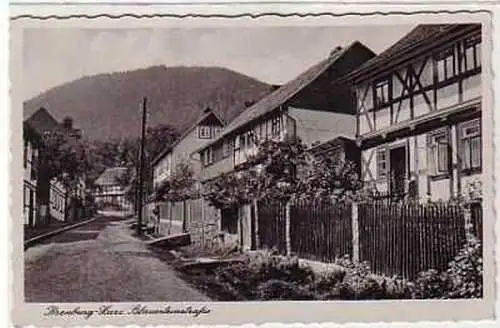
{"x":107,"y":106}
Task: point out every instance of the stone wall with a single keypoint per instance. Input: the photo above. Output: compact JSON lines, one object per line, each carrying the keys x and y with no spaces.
{"x":204,"y":229}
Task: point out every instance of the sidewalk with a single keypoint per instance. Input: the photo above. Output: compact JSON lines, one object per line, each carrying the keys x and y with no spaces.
{"x":33,"y":232}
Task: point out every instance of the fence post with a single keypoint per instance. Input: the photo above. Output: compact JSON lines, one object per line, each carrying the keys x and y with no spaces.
{"x":468,"y":221}
{"x":355,"y":232}
{"x":287,"y":229}
{"x":256,"y":223}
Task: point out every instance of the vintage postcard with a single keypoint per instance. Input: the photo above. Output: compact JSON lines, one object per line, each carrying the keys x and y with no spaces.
{"x":197,"y":165}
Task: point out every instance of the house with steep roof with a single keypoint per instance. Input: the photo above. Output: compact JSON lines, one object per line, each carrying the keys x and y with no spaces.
{"x":177,"y":214}
{"x":418,"y":113}
{"x":111,"y":189}
{"x":44,"y":199}
{"x":309,"y":107}
{"x":32,"y":143}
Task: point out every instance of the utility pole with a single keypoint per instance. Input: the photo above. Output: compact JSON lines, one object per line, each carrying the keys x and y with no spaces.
{"x":141,"y":168}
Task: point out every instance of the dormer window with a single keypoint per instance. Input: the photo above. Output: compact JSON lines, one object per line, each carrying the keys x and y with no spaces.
{"x":204,"y":132}
{"x":381,"y":92}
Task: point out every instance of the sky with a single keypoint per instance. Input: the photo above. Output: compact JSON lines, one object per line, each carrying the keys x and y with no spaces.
{"x":53,"y":56}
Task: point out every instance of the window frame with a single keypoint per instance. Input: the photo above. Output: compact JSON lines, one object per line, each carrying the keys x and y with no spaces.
{"x":205,"y":128}
{"x":275,"y":126}
{"x":473,"y":42}
{"x":381,"y":87}
{"x":382,"y":174}
{"x":443,"y":56}
{"x":461,"y":138}
{"x":434,"y":148}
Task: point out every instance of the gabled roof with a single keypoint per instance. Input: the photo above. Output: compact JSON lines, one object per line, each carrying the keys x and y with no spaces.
{"x":419,"y":37}
{"x":111,"y":176}
{"x":277,"y":98}
{"x":207,"y":113}
{"x":41,"y":121}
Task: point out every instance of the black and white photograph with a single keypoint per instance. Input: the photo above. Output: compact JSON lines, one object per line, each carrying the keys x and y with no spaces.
{"x":257,"y":163}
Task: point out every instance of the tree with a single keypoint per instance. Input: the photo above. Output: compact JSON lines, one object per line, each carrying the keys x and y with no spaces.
{"x":125,"y":153}
{"x":231,"y":189}
{"x":281,"y":171}
{"x":276,"y":166}
{"x":158,"y":137}
{"x":63,"y":158}
{"x":328,"y":177}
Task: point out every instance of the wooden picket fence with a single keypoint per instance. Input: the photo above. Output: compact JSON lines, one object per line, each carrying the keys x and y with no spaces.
{"x":272,"y":226}
{"x":399,"y":238}
{"x":395,"y":237}
{"x":321,"y":231}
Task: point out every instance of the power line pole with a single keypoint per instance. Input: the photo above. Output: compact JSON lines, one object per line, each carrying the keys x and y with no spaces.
{"x":141,"y":168}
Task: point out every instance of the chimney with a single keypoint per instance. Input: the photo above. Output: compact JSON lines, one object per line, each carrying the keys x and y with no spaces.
{"x":68,"y":123}
{"x":335,"y":51}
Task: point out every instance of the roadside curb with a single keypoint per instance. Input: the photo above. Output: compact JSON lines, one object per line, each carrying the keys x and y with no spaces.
{"x":33,"y":241}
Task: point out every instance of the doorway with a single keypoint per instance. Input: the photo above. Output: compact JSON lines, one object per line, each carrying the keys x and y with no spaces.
{"x":397,"y":170}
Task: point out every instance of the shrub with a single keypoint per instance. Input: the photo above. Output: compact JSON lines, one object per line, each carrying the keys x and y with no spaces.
{"x":254,"y":275}
{"x":430,"y":284}
{"x":360,"y":283}
{"x":275,"y":289}
{"x":462,"y":279}
{"x":465,"y":272}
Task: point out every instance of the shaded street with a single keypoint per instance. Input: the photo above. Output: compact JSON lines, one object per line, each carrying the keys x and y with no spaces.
{"x":101,"y":262}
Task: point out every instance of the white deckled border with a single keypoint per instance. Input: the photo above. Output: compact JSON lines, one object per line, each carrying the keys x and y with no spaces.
{"x":228,"y":311}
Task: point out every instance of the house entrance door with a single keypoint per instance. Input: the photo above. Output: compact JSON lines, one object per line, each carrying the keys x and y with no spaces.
{"x":397,"y":170}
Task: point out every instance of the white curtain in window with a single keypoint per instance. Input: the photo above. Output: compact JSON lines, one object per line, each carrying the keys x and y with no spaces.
{"x":466,"y":154}
{"x":442,"y":156}
{"x":476,"y":152}
{"x":431,"y":159}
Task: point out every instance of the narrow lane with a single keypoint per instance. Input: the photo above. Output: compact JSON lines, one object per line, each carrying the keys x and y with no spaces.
{"x":101,"y":262}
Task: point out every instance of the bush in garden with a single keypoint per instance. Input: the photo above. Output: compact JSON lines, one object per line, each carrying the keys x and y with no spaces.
{"x":430,"y":284}
{"x":276,"y":289}
{"x":465,"y":272}
{"x":262,"y":267}
{"x":462,"y":279}
{"x":267,"y":276}
{"x":356,"y":282}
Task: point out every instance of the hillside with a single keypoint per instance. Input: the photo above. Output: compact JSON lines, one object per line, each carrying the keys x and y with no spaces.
{"x":107,"y":106}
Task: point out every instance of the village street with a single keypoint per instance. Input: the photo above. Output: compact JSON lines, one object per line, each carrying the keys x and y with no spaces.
{"x":100,"y":262}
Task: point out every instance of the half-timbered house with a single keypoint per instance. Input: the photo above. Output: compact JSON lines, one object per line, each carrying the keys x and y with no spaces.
{"x":308,"y":107}
{"x":419,"y":113}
